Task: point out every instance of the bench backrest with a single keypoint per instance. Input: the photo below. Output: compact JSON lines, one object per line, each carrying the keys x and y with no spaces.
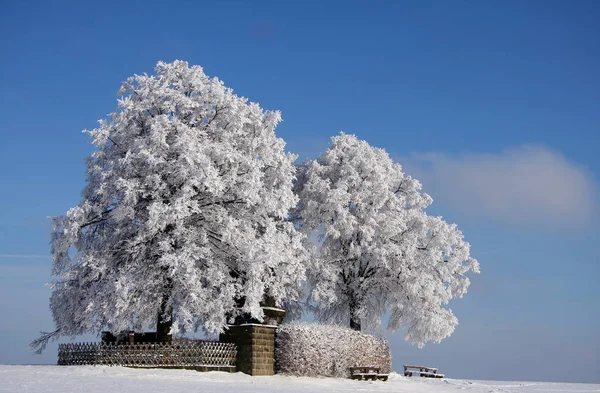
{"x":421,"y":368}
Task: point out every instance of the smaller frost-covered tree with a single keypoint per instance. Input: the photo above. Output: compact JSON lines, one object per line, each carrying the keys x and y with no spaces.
{"x":379,"y":250}
{"x":184,"y":217}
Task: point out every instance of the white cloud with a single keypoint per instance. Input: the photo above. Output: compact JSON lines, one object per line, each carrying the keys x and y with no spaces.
{"x":530,"y":185}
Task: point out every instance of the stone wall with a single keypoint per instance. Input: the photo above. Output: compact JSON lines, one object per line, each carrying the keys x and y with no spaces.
{"x":324,"y":350}
{"x":255,"y":347}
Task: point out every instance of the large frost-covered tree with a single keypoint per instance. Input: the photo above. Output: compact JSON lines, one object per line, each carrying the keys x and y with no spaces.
{"x":184,"y":217}
{"x":379,"y":250}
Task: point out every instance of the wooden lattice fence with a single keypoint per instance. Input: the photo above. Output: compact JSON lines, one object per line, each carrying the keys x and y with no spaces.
{"x":204,"y":354}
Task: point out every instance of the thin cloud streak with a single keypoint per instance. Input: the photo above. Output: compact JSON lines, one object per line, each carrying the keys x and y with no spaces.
{"x":528,"y":185}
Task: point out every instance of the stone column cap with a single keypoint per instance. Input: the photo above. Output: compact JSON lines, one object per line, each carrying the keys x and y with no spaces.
{"x":253,"y":324}
{"x":273,"y":309}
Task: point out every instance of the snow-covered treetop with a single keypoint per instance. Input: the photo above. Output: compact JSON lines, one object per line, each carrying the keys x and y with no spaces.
{"x":380,"y":251}
{"x":186,"y":203}
{"x":185,"y":215}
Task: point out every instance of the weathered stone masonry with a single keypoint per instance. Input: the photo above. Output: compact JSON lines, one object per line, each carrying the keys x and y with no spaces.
{"x":255,"y":347}
{"x":255,"y":342}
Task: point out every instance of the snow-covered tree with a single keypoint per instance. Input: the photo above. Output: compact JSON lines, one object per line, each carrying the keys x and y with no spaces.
{"x":379,"y":250}
{"x":184,"y":218}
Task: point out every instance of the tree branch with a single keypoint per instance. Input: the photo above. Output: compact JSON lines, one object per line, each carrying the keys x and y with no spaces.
{"x":40,"y":343}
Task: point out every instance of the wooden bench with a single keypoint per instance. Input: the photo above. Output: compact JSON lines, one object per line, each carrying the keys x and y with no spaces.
{"x":364,"y":373}
{"x":430,"y":372}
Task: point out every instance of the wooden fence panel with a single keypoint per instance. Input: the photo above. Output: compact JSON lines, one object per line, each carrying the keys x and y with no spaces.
{"x":204,"y":354}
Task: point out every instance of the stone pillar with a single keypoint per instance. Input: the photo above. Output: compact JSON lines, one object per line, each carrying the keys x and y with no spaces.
{"x":255,"y":343}
{"x":255,"y":347}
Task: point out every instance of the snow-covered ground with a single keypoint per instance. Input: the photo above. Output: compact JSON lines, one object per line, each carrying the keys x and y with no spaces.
{"x":102,"y":379}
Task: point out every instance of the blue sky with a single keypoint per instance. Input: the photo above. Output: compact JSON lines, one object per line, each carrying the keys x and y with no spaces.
{"x":494,"y":105}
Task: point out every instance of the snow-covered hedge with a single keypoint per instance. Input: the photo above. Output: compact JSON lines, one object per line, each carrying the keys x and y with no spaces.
{"x":326,"y":350}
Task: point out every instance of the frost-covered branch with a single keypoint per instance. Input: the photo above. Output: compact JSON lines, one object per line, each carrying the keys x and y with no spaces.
{"x":40,"y":343}
{"x":380,"y":252}
{"x":190,"y":186}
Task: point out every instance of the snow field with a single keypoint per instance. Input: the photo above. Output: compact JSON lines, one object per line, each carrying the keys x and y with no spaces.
{"x":102,"y":379}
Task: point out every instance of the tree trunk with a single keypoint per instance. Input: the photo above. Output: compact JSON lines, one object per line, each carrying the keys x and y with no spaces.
{"x":165,"y":315}
{"x":354,"y":318}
